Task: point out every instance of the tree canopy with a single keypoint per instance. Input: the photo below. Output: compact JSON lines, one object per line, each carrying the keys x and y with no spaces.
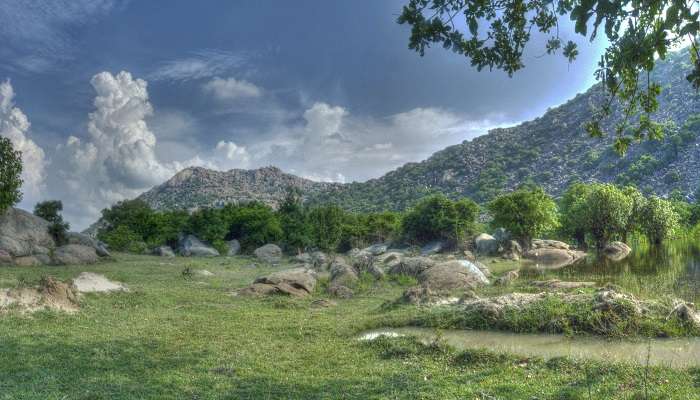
{"x":494,"y":33}
{"x":10,"y":172}
{"x":525,"y":213}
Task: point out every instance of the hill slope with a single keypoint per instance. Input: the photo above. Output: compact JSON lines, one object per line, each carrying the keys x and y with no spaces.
{"x":551,"y":151}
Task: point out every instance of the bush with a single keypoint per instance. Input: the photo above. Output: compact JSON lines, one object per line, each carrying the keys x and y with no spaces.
{"x":327,"y":224}
{"x":439,"y":218}
{"x":659,"y":220}
{"x":609,"y":211}
{"x":123,"y":239}
{"x":10,"y":172}
{"x":253,"y":224}
{"x":51,"y":212}
{"x":525,"y":213}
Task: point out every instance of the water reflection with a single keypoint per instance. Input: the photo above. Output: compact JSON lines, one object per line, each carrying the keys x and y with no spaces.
{"x":671,"y":269}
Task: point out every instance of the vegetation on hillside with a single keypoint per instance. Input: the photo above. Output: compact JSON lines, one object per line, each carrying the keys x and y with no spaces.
{"x":10,"y":171}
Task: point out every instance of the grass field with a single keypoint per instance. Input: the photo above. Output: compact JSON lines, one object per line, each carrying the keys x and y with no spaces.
{"x":177,"y":338}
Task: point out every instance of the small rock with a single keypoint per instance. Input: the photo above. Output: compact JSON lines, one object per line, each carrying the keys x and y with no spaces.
{"x":377,"y":249}
{"x":323,"y":303}
{"x":486,"y":244}
{"x":90,"y":282}
{"x":269,"y":253}
{"x":507,"y":278}
{"x":164,"y":251}
{"x":191,"y":246}
{"x":341,"y":292}
{"x":432,"y":248}
{"x":234,"y":247}
{"x":617,"y":251}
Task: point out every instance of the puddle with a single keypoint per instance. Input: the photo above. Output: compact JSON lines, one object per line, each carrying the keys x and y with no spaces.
{"x":676,"y":352}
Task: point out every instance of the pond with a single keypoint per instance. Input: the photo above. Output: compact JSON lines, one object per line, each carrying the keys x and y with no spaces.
{"x":677,"y":352}
{"x":671,"y":269}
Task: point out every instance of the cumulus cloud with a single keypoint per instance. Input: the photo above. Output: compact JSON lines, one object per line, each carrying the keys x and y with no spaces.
{"x":231,"y":89}
{"x":15,"y":126}
{"x":229,"y":155}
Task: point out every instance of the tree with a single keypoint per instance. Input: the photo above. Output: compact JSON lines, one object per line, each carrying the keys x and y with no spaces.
{"x":51,"y":211}
{"x":659,"y":220}
{"x":635,"y":219}
{"x":327,"y":226}
{"x":438,"y":218}
{"x":254,"y":224}
{"x":609,"y":212}
{"x":637,"y":32}
{"x":525,"y":213}
{"x":10,"y":172}
{"x":296,"y":230}
{"x":574,"y":222}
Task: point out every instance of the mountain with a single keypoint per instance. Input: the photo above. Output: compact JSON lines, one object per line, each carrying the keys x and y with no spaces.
{"x":552,"y":151}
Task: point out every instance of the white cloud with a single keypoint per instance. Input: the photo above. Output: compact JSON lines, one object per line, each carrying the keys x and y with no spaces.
{"x":231,"y":89}
{"x":202,"y":64}
{"x":229,"y":155}
{"x":15,"y":126}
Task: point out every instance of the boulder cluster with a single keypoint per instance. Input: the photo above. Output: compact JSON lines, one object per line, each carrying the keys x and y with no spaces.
{"x":25,"y":241}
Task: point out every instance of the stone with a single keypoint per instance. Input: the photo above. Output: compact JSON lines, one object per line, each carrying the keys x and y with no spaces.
{"x":191,"y":246}
{"x":75,"y":254}
{"x":323,"y":303}
{"x":554,"y":258}
{"x":389,"y":258}
{"x":341,"y":274}
{"x":300,"y":278}
{"x":549,"y":244}
{"x":486,"y":244}
{"x":412,"y":266}
{"x":341,"y":292}
{"x":27,"y":261}
{"x":234,"y":247}
{"x":90,"y":282}
{"x":164,"y":251}
{"x":616,"y":251}
{"x":85,"y":240}
{"x":452,"y":275}
{"x":269,"y":253}
{"x":501,"y":235}
{"x":5,"y":258}
{"x":24,"y":234}
{"x":418,"y":295}
{"x":512,"y":250}
{"x":686,"y":312}
{"x":376,"y":249}
{"x":304,"y":258}
{"x":507,"y":278}
{"x":431,"y":248}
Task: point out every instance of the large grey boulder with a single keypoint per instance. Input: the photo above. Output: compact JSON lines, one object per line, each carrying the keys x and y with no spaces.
{"x":616,"y":251}
{"x":554,"y":258}
{"x":486,"y":244}
{"x":164,"y":251}
{"x":453,"y":275}
{"x":269,"y":253}
{"x":501,"y":235}
{"x":376,"y":249}
{"x":342,"y":274}
{"x":190,"y":246}
{"x":85,"y":240}
{"x":549,"y":244}
{"x":24,"y":234}
{"x":234,"y":247}
{"x":432,"y":248}
{"x":75,"y":254}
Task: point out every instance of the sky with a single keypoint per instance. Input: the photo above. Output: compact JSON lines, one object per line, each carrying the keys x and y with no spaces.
{"x":107,"y":98}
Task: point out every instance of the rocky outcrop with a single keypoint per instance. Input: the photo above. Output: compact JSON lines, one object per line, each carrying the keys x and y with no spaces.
{"x":431,"y":248}
{"x":90,"y":282}
{"x":549,"y":244}
{"x":486,"y":244}
{"x":86,"y":240}
{"x":191,"y":246}
{"x":296,"y":282}
{"x":269,"y":253}
{"x":24,"y":239}
{"x":75,"y":254}
{"x":616,"y":251}
{"x":412,"y":266}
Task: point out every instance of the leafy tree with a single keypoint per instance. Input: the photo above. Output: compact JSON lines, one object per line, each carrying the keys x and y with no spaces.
{"x":122,"y":238}
{"x":327,"y":226}
{"x":609,"y":212}
{"x":659,"y":220}
{"x":634,"y":221}
{"x":136,"y":215}
{"x":254,"y":224}
{"x":438,"y":218}
{"x":51,"y":212}
{"x":574,"y":218}
{"x":296,"y":230}
{"x":525,"y":213}
{"x":383,"y":226}
{"x":10,"y":172}
{"x":637,"y":34}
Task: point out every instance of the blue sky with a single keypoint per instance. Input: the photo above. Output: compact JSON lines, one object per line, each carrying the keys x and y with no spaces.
{"x":322,"y":89}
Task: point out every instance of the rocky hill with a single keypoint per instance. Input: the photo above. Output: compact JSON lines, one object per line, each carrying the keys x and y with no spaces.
{"x":196,"y":187}
{"x":552,"y":151}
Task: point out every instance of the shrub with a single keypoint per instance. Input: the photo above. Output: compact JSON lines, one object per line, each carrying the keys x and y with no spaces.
{"x":609,"y":210}
{"x":659,"y":220}
{"x":51,"y":212}
{"x":296,"y":230}
{"x":327,"y":226}
{"x":525,"y":213}
{"x":253,"y":224}
{"x":439,"y":218}
{"x":10,"y":172}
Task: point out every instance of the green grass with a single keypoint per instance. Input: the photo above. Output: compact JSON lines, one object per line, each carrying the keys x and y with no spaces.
{"x":176,"y":338}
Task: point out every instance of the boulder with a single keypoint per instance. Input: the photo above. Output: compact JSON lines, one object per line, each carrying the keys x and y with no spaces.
{"x":191,"y":246}
{"x":553,"y":258}
{"x":412,"y":266}
{"x":234,"y":247}
{"x":163,"y":251}
{"x":269,"y":253}
{"x":303,"y":279}
{"x":341,"y":292}
{"x":418,"y":295}
{"x":432,"y":248}
{"x":686,"y":312}
{"x":376,"y":249}
{"x":617,"y":251}
{"x":24,"y":234}
{"x":75,"y":254}
{"x":342,"y":274}
{"x":501,"y":235}
{"x":486,"y":244}
{"x":304,"y":258}
{"x":507,"y":278}
{"x":90,"y":282}
{"x":28,"y":261}
{"x":85,"y":240}
{"x":512,"y":250}
{"x":389,"y":258}
{"x":453,"y":275}
{"x":549,"y":244}
{"x":5,"y":258}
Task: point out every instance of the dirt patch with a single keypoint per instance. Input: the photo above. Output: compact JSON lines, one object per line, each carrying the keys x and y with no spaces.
{"x":90,"y":282}
{"x":51,"y":294}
